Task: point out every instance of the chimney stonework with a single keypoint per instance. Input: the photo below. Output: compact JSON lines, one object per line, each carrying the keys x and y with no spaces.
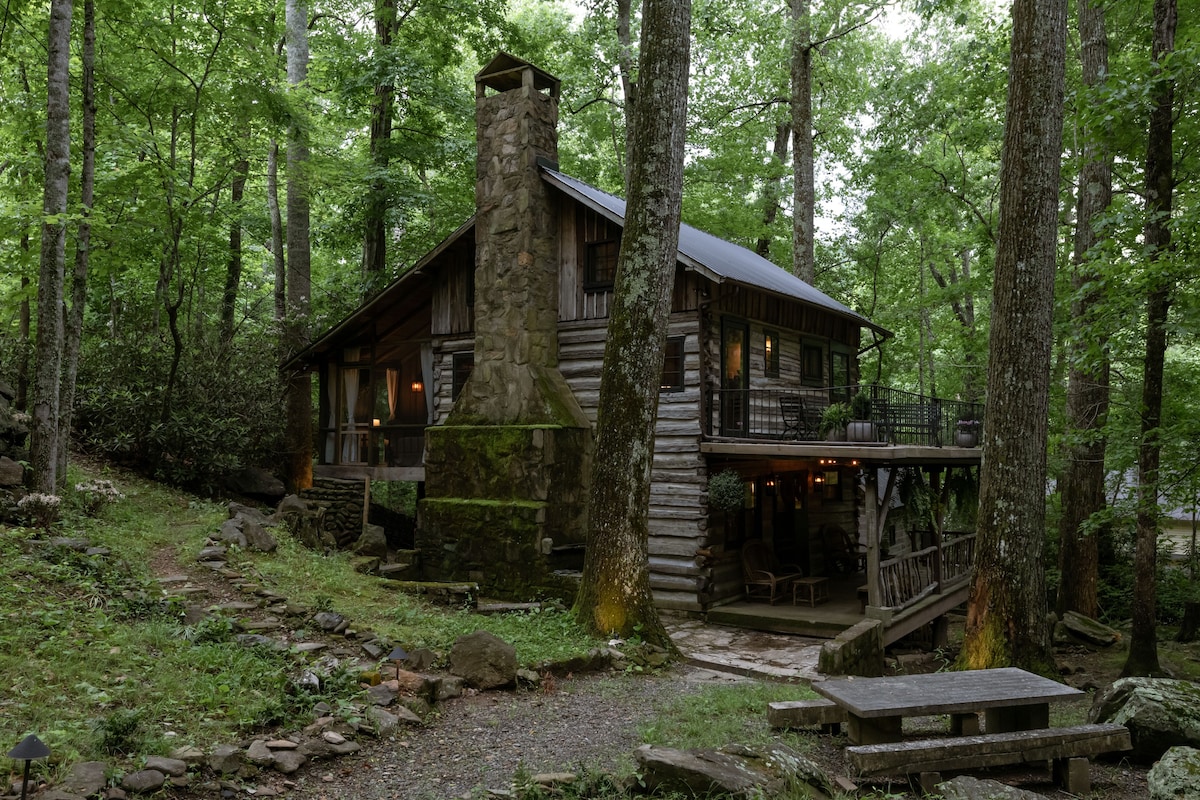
{"x":506,"y":477}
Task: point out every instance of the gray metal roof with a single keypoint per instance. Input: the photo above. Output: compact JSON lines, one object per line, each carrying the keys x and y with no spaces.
{"x":716,"y":258}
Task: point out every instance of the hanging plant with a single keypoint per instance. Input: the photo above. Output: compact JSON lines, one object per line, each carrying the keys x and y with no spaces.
{"x":726,"y":491}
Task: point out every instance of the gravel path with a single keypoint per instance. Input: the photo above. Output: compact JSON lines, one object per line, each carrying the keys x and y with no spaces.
{"x":484,"y":739}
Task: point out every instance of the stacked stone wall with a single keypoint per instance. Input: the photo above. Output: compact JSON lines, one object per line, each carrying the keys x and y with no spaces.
{"x":341,"y":502}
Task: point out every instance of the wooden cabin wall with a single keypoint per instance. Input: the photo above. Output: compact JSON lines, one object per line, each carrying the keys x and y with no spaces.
{"x":453,"y":306}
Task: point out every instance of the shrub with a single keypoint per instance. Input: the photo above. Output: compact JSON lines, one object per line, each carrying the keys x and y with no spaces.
{"x":39,"y":510}
{"x":96,"y":494}
{"x":726,"y":491}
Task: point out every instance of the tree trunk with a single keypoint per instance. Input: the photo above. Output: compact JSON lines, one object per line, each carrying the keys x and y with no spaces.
{"x":44,"y":430}
{"x":803,"y":260}
{"x":73,"y":324}
{"x":626,"y":59}
{"x":614,"y":596}
{"x":233,"y":271}
{"x":1156,"y":233}
{"x":276,"y":235}
{"x":1082,"y":483}
{"x":1190,"y":624}
{"x":21,"y":401}
{"x":772,"y":189}
{"x":375,"y":234}
{"x":299,"y":291}
{"x":1006,"y":614}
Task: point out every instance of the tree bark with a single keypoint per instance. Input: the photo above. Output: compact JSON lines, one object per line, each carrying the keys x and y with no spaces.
{"x":44,"y":430}
{"x":233,"y":270}
{"x":299,"y":292}
{"x":73,"y":323}
{"x":804,"y":192}
{"x":277,"y":252}
{"x":1156,"y":234}
{"x":1082,"y":482}
{"x":772,"y":189}
{"x":626,"y":58}
{"x":615,"y":596}
{"x":1006,"y":614}
{"x":375,"y":235}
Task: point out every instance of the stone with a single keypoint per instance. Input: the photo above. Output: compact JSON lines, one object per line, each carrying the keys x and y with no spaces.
{"x":382,"y":695}
{"x":188,"y":754}
{"x":259,"y":754}
{"x":282,"y":744}
{"x":115,"y":793}
{"x":417,"y":684}
{"x":231,"y":533}
{"x":421,"y":659}
{"x":417,"y":705}
{"x":288,"y":761}
{"x":255,"y":482}
{"x":483,"y":660}
{"x":11,"y":472}
{"x":87,"y":778}
{"x":1159,"y":712}
{"x":258,"y":640}
{"x":225,"y":759}
{"x":328,"y":620}
{"x":168,"y":766}
{"x":1088,"y":631}
{"x":737,"y":771}
{"x":965,"y":787}
{"x":211,"y":553}
{"x":373,"y":542}
{"x":1175,"y":776}
{"x":448,"y":687}
{"x":143,"y":781}
{"x":51,"y":794}
{"x":258,"y":539}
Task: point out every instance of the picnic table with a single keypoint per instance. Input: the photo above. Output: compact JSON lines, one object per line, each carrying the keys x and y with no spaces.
{"x":1010,"y":698}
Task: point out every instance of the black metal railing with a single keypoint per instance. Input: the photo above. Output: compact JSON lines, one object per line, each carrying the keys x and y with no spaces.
{"x":896,"y":416}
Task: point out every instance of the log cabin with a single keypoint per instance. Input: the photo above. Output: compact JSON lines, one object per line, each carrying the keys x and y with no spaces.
{"x":476,"y":374}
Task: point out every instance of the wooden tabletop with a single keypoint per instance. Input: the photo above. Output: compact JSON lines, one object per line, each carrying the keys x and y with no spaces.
{"x":942,"y":692}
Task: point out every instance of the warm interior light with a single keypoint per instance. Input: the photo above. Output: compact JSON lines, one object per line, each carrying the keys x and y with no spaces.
{"x":417,"y":387}
{"x":375,"y":422}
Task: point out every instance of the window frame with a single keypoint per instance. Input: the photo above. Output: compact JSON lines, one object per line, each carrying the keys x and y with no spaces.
{"x":680,"y":373}
{"x":593,"y":281}
{"x":770,"y":353}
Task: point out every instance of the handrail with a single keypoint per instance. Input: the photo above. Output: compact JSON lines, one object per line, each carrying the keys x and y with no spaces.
{"x":909,"y":578}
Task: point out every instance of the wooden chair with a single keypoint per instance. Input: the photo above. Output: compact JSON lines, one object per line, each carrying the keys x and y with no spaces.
{"x":843,"y":552}
{"x":764,"y":576}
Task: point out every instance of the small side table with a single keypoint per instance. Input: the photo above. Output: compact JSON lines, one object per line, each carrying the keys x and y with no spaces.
{"x":810,"y":591}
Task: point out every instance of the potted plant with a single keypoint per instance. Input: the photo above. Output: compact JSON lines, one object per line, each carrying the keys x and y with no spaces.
{"x":834,"y":420}
{"x":727,"y":494}
{"x":966,"y":433}
{"x":860,"y":428}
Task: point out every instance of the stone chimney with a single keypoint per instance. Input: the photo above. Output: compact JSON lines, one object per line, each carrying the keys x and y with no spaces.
{"x":507,"y":475}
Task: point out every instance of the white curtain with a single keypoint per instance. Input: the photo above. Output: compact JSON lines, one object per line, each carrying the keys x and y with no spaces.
{"x":350,"y":437}
{"x":331,"y":381}
{"x":393,"y":390}
{"x":427,"y":379}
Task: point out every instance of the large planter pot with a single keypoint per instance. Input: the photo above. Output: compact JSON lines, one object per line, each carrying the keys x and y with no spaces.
{"x":966,"y":438}
{"x":860,"y":430}
{"x":835,"y":435}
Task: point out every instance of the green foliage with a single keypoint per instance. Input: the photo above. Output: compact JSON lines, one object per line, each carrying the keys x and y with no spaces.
{"x":719,"y":715}
{"x":860,"y":405}
{"x":835,"y":417}
{"x":726,"y":490}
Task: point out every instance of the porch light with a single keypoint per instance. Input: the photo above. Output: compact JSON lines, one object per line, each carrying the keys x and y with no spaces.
{"x":375,"y":422}
{"x":418,"y":387}
{"x":818,"y":478}
{"x":30,"y":749}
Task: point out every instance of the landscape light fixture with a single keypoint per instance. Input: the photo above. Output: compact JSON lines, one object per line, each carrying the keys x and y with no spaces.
{"x":30,"y":749}
{"x":397,"y":655}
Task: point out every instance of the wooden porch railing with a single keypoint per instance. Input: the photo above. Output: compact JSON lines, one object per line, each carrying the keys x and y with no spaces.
{"x":910,"y":578}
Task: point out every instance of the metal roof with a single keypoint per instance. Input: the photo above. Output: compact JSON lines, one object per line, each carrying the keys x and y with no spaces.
{"x":716,"y":258}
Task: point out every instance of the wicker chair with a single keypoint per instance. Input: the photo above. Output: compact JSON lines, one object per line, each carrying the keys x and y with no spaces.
{"x":765,"y":578}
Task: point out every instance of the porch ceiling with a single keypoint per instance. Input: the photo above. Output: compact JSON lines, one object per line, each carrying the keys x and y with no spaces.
{"x":868,"y":453}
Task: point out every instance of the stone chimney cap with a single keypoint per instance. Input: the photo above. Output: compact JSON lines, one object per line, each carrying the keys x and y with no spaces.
{"x":506,"y":71}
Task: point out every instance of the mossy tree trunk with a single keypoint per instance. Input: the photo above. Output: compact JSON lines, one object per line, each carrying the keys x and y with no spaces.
{"x":1006,"y":615}
{"x":615,"y":596}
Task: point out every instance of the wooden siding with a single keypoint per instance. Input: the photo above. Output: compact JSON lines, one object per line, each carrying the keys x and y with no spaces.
{"x":454,"y":281}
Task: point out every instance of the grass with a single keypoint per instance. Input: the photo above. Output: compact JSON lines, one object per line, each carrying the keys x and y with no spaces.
{"x":719,"y":715}
{"x":99,"y":666}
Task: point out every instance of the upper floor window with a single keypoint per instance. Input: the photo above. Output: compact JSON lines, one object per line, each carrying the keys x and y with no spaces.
{"x":463,"y":364}
{"x":840,"y":376}
{"x":813,"y":363}
{"x":771,"y":354}
{"x":600,"y":264}
{"x":672,"y":373}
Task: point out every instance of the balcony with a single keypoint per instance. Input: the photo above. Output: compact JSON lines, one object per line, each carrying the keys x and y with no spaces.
{"x":898,"y":417}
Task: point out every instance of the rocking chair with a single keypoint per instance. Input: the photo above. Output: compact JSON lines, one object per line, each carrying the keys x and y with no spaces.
{"x":764,"y":576}
{"x":842,"y":551}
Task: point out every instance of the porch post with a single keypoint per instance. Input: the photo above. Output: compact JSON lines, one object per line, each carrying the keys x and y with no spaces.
{"x":940,"y":489}
{"x":871,"y":507}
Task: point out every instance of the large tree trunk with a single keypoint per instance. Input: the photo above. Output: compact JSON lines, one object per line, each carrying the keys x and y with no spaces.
{"x":73,"y":324}
{"x":1156,"y":233}
{"x":299,"y":283}
{"x":626,"y":58}
{"x":804,"y":191}
{"x":614,"y":596}
{"x":1006,"y":614}
{"x":1082,"y":483}
{"x":44,"y":433}
{"x":277,"y":253}
{"x":375,"y":235}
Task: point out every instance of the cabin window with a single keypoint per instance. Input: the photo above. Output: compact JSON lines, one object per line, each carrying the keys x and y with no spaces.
{"x":672,"y":373}
{"x":840,"y":376}
{"x":600,"y":267}
{"x":463,"y":364}
{"x":771,"y":354}
{"x":813,"y":364}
